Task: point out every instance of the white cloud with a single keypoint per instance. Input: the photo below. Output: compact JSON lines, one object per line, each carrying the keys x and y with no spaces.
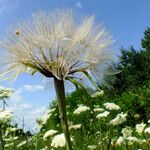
{"x":33,"y":88}
{"x":78,"y":5}
{"x":16,"y":96}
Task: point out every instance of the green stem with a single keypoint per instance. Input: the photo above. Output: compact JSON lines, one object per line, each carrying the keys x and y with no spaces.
{"x":109,"y":144}
{"x":60,"y":91}
{"x":1,"y":138}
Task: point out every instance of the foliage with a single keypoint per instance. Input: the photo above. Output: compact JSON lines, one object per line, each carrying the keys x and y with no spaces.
{"x":134,"y":66}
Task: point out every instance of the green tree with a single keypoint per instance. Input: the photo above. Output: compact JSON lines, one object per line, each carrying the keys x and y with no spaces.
{"x":134,"y":66}
{"x":146,"y":40}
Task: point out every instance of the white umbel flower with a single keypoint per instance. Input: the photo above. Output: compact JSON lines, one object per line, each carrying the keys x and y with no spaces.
{"x":43,"y":120}
{"x":147,"y":130}
{"x":127,"y":131}
{"x":80,"y":109}
{"x":120,"y":141}
{"x":102,"y":115}
{"x":132,"y":140}
{"x":58,"y":141}
{"x":140,"y":127}
{"x":6,"y":115}
{"x":21,"y":144}
{"x":111,"y":106}
{"x":120,"y":118}
{"x":5,"y":93}
{"x":11,"y":139}
{"x":9,"y":145}
{"x":49,"y":134}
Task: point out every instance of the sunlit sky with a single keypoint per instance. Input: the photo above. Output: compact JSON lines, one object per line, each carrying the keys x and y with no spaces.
{"x":125,"y":19}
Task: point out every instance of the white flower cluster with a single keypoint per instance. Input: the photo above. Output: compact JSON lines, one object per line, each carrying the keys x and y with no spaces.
{"x":147,"y":130}
{"x":132,"y":140}
{"x":81,"y":108}
{"x":49,"y":134}
{"x":21,"y":144}
{"x":140,"y":127}
{"x":102,"y":115}
{"x":5,"y":92}
{"x":9,"y":145}
{"x":46,"y":116}
{"x":58,"y":141}
{"x":111,"y":106}
{"x":127,"y":131}
{"x":120,"y":141}
{"x":127,"y":137}
{"x":120,"y":118}
{"x":11,"y":139}
{"x":5,"y":115}
{"x":10,"y":130}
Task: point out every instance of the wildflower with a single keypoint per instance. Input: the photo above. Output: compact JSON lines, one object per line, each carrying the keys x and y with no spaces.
{"x":5,"y":92}
{"x":111,"y":106}
{"x":120,"y":118}
{"x":21,"y":144}
{"x":9,"y":145}
{"x":147,"y":130}
{"x":11,"y":139}
{"x":141,"y":141}
{"x":120,"y":141}
{"x":97,"y":94}
{"x":43,"y":120}
{"x":132,"y":140}
{"x":80,"y":109}
{"x":140,"y":127}
{"x":6,"y":115}
{"x":104,"y":114}
{"x":58,"y":141}
{"x":92,"y":147}
{"x":12,"y":129}
{"x":98,"y":109}
{"x":77,"y":126}
{"x":49,"y":133}
{"x":9,"y":130}
{"x":127,"y":131}
{"x":57,"y":47}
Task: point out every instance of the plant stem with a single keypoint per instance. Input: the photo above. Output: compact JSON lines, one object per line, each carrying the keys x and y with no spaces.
{"x":109,"y":144}
{"x":60,"y":91}
{"x":1,"y":138}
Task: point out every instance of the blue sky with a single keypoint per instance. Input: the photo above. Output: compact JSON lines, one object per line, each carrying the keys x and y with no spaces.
{"x":125,"y":19}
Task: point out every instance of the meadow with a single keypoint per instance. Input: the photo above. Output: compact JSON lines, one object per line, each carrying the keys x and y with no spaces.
{"x":110,"y":108}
